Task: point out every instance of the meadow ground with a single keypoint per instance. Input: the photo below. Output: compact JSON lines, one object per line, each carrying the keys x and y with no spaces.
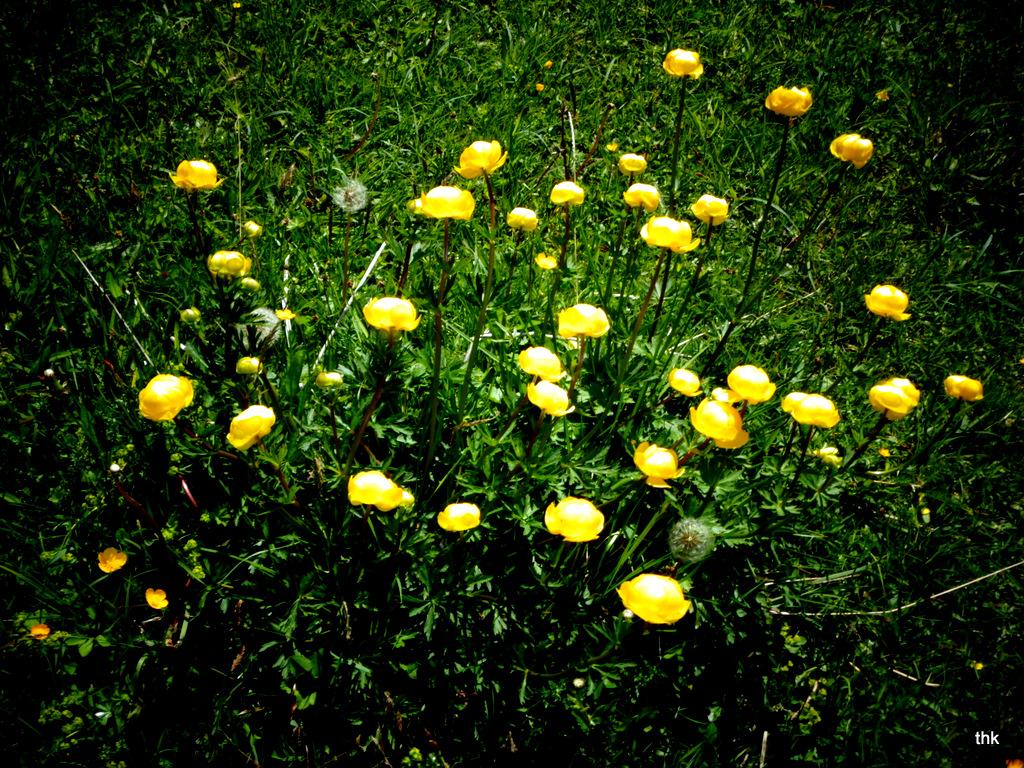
{"x":205,"y":574}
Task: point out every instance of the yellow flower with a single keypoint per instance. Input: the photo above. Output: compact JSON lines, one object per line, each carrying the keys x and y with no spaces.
{"x":156,"y":598}
{"x":250,"y":284}
{"x":459,"y":517}
{"x":229,"y":264}
{"x":164,"y":396}
{"x":39,"y":631}
{"x":964,"y":388}
{"x":888,"y":301}
{"x":721,"y":422}
{"x":523,"y":218}
{"x":112,"y":560}
{"x":376,"y":488}
{"x":613,"y":147}
{"x":546,"y":262}
{"x":448,"y":203}
{"x":1015,"y":763}
{"x":883,"y":95}
{"x":582,"y":320}
{"x":550,"y":398}
{"x":548,"y":64}
{"x":284,"y":314}
{"x":414,"y":206}
{"x":680,"y":63}
{"x":726,"y":395}
{"x":751,"y":383}
{"x":632,"y":165}
{"x":196,"y":174}
{"x":642,"y":194}
{"x":574,"y":519}
{"x":540,"y":361}
{"x":480,"y":157}
{"x":850,"y":146}
{"x":247,"y":365}
{"x":190,"y":315}
{"x":655,"y":599}
{"x":829,"y":456}
{"x":659,"y":464}
{"x":791,"y":102}
{"x":710,"y":209}
{"x":567,"y":193}
{"x":684,"y":381}
{"x":894,"y":397}
{"x":252,"y":229}
{"x":884,"y":452}
{"x":539,"y":87}
{"x":250,"y":425}
{"x":329,"y":380}
{"x":816,"y":410}
{"x":979,"y":665}
{"x":663,"y":232}
{"x":391,"y":314}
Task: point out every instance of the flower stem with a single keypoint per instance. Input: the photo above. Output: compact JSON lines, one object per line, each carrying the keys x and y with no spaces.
{"x":801,"y":462}
{"x":565,"y":238}
{"x":639,"y":320}
{"x":870,"y":341}
{"x":675,"y":150}
{"x":579,"y":366}
{"x":344,"y":259}
{"x":435,"y":382}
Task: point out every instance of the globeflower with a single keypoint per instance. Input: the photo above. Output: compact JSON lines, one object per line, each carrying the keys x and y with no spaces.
{"x":378,"y":489}
{"x":252,"y":229}
{"x":719,"y":421}
{"x":711,"y":210}
{"x":894,"y":397}
{"x":164,"y":397}
{"x":196,"y":174}
{"x":459,"y":517}
{"x":887,"y":301}
{"x":791,"y":102}
{"x":112,"y":560}
{"x":583,"y":320}
{"x":448,"y":203}
{"x":815,"y":410}
{"x":574,"y":519}
{"x":391,"y":314}
{"x":829,"y":456}
{"x":567,"y":193}
{"x":685,"y":382}
{"x":680,"y":63}
{"x":850,"y":146}
{"x":247,"y":365}
{"x":250,"y":425}
{"x":655,"y":599}
{"x":540,"y":361}
{"x":663,"y":232}
{"x":480,"y":157}
{"x":523,"y":218}
{"x":964,"y":388}
{"x":642,"y":194}
{"x":550,"y":398}
{"x":329,"y":380}
{"x":229,"y":264}
{"x":190,"y":315}
{"x":658,"y":464}
{"x":156,"y":598}
{"x":751,"y":384}
{"x":632,"y":165}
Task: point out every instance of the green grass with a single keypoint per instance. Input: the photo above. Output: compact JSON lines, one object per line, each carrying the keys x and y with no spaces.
{"x":304,"y":629}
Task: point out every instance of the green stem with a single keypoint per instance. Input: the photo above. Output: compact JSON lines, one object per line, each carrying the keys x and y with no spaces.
{"x":675,"y":150}
{"x":435,"y":383}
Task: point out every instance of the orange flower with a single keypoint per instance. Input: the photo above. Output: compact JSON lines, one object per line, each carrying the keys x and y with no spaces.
{"x":156,"y":598}
{"x":39,"y":631}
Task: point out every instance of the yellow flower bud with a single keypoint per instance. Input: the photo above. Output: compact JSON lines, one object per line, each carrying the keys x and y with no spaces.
{"x":448,"y":203}
{"x":550,"y":398}
{"x":252,"y":229}
{"x":540,"y":361}
{"x":852,"y":147}
{"x":459,"y":517}
{"x":642,"y":194}
{"x":329,"y":380}
{"x":250,"y":284}
{"x":751,"y":383}
{"x":829,"y":456}
{"x":480,"y":157}
{"x":632,"y":165}
{"x":196,"y":174}
{"x":791,"y":102}
{"x":663,"y":232}
{"x":250,"y":425}
{"x":574,"y":519}
{"x":164,"y":396}
{"x":582,"y":320}
{"x":190,"y":315}
{"x":391,"y":314}
{"x":655,"y":599}
{"x":247,"y":365}
{"x":376,"y":488}
{"x":816,"y":410}
{"x":229,"y":264}
{"x":680,"y":63}
{"x":659,"y":464}
{"x":685,"y":382}
{"x":548,"y":64}
{"x":523,"y":218}
{"x":721,"y":422}
{"x":888,"y":301}
{"x":964,"y":388}
{"x":710,"y":209}
{"x":567,"y":193}
{"x":894,"y":397}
